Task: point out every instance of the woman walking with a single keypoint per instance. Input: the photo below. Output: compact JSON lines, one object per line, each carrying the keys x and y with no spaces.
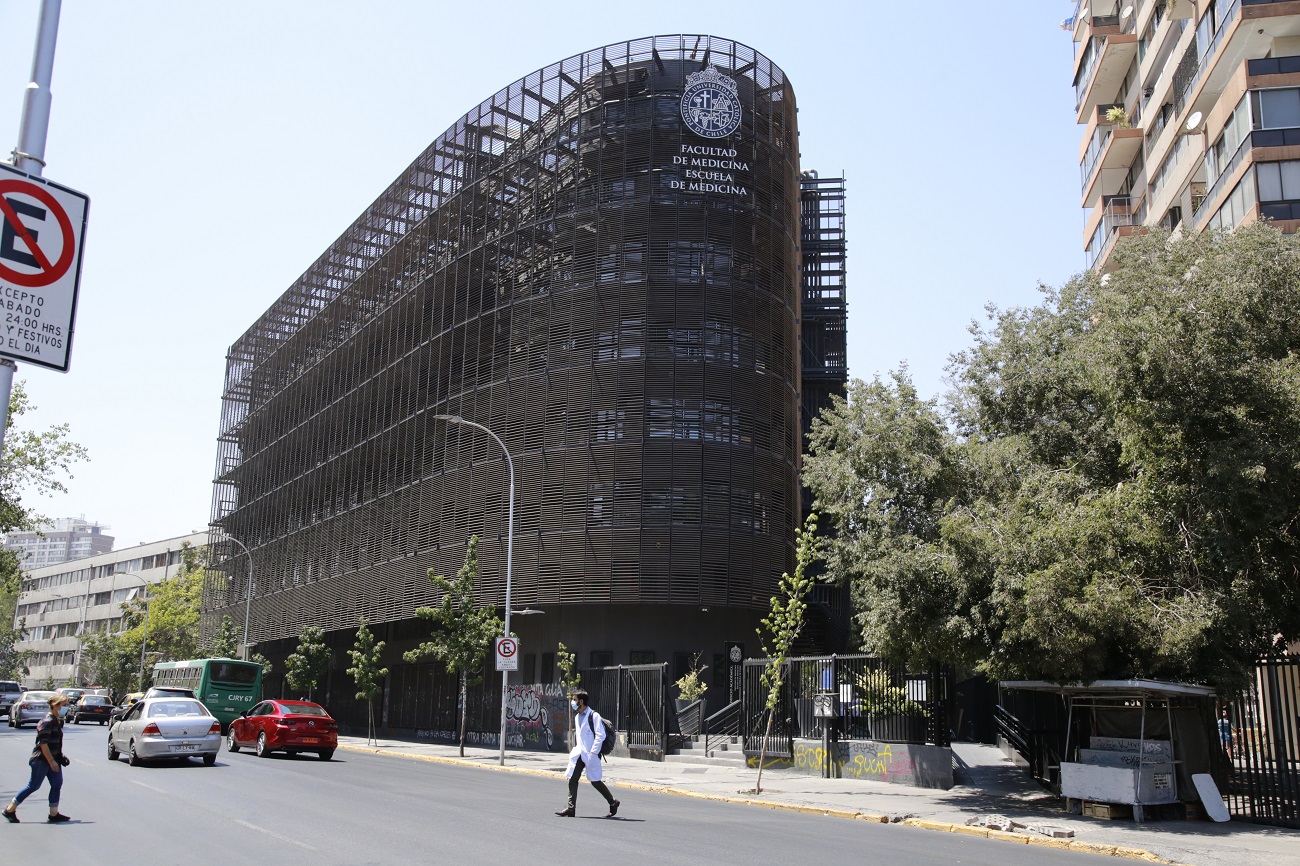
{"x":47,"y":762}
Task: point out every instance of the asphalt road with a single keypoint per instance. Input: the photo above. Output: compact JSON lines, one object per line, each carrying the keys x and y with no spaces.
{"x":361,"y":808}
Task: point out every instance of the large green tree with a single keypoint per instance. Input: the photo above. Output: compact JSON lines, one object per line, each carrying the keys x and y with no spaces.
{"x":172,"y":620}
{"x":463,"y":631}
{"x":1109,"y":490}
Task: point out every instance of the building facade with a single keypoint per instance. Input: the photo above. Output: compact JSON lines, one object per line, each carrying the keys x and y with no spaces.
{"x":1191,"y":112}
{"x":60,"y":540}
{"x":601,"y":264}
{"x":58,"y":603}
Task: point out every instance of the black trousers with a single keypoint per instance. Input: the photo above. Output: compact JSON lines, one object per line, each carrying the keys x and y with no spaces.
{"x":573,"y":786}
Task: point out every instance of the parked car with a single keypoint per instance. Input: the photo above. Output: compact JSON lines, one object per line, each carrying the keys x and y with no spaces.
{"x":168,"y":692}
{"x":10,"y":691}
{"x":91,"y":708}
{"x":290,"y":726}
{"x":165,"y":728}
{"x":128,"y":701}
{"x":30,"y":707}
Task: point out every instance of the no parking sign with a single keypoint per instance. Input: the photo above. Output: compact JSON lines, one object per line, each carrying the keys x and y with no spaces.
{"x":507,"y":654}
{"x":42,"y":227}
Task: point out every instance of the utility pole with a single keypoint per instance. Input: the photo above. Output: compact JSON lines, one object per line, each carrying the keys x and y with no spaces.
{"x":29,"y":155}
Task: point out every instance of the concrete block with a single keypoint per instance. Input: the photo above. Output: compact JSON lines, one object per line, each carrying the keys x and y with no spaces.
{"x":1053,"y":830}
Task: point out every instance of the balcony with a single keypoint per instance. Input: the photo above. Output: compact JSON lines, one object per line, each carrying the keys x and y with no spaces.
{"x":1246,"y":29}
{"x":1101,"y":70}
{"x":1207,"y":204}
{"x":1120,"y":216}
{"x":1106,"y":161}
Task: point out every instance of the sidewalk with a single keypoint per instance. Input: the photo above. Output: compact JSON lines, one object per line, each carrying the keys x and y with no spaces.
{"x":987,"y":783}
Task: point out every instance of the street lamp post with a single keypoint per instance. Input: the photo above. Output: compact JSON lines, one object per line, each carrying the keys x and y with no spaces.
{"x":248,"y":596}
{"x":145,"y":640}
{"x":510,"y":544}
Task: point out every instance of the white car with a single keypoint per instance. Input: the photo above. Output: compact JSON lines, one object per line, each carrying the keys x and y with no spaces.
{"x":30,"y":707}
{"x":165,"y":728}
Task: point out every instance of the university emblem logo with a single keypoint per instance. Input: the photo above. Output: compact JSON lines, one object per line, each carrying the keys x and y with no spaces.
{"x":710,"y":106}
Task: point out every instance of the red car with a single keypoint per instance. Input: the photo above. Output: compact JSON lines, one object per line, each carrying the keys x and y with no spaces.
{"x":289,"y":726}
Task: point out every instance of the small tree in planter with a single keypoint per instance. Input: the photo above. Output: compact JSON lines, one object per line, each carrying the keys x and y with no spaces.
{"x":567,"y":662}
{"x":691,"y":686}
{"x":462,"y":630}
{"x":782,"y":625}
{"x":367,"y":673}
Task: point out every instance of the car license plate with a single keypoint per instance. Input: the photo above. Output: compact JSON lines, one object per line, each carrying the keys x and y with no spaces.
{"x":184,"y":747}
{"x":310,"y":740}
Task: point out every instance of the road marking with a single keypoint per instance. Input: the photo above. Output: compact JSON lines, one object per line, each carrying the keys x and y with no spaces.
{"x":151,"y":788}
{"x":275,"y":835}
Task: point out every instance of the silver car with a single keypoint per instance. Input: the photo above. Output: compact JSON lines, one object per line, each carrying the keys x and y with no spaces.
{"x":30,"y":707}
{"x":165,"y":728}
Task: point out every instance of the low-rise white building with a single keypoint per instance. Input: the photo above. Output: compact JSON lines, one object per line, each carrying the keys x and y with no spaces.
{"x":58,"y":603}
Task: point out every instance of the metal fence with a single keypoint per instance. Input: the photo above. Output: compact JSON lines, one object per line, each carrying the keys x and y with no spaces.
{"x":635,"y":699}
{"x":1259,"y":734}
{"x":874,"y":700}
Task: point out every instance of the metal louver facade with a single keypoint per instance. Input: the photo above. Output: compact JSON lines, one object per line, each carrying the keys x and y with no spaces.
{"x":615,"y":296}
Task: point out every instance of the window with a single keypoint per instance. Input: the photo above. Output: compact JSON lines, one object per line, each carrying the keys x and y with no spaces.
{"x":1278,"y":109}
{"x":1279,"y":181}
{"x":642,"y":657}
{"x":602,"y":658}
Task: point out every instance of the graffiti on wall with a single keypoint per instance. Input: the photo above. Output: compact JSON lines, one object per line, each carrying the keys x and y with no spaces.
{"x":537,"y":717}
{"x":860,"y":760}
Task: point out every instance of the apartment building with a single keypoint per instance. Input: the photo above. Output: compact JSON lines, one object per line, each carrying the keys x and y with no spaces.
{"x":1191,"y":114}
{"x":60,"y":540}
{"x":58,"y":603}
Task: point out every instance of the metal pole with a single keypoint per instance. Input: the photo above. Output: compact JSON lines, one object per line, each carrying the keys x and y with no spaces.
{"x":145,"y":639}
{"x":29,"y":155}
{"x":510,"y":544}
{"x":248,"y":596}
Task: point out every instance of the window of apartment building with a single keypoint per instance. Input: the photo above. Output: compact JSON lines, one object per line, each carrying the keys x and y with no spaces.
{"x":1279,"y":181}
{"x":1236,"y":205}
{"x":1276,"y":109}
{"x":602,"y":658}
{"x":1220,"y":154}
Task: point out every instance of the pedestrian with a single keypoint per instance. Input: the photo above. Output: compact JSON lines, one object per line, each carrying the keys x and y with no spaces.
{"x":1225,"y":732}
{"x":588,"y":736}
{"x":47,"y":762}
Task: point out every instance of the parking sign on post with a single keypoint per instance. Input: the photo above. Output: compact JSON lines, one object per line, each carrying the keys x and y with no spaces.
{"x":507,"y":654}
{"x":42,"y":227}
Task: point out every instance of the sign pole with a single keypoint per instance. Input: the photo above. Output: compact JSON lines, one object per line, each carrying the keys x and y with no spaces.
{"x":29,"y":155}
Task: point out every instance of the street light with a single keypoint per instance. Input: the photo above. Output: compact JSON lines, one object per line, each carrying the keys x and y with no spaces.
{"x":510,"y":544}
{"x":248,"y":596}
{"x":144,"y":583}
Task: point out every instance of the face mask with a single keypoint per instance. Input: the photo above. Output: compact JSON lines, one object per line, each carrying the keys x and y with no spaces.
{"x":573,"y":704}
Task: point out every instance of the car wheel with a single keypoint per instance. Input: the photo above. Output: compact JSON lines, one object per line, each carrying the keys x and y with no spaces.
{"x":209,"y":759}
{"x":326,"y":754}
{"x":262,"y":750}
{"x":131,"y":757}
{"x":101,"y":723}
{"x":112,"y":752}
{"x":232,"y":745}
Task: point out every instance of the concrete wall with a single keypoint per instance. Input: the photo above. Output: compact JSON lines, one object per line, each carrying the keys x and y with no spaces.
{"x":897,"y":763}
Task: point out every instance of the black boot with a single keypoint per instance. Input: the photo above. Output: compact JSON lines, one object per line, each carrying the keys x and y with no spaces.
{"x":568,"y":812}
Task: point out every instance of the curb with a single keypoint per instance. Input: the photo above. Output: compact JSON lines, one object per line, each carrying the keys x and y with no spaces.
{"x":919,"y":823}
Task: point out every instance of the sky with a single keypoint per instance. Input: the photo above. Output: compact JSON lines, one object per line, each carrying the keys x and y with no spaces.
{"x":224,"y":146}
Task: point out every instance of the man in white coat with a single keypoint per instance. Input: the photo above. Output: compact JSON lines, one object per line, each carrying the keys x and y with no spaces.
{"x":588,"y":736}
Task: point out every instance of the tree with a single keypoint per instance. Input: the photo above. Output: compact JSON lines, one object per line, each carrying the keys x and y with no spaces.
{"x":462,"y":630}
{"x":110,"y":661}
{"x":304,"y":668}
{"x":172,"y":615}
{"x":567,"y":662}
{"x":779,"y":629}
{"x":227,"y":641}
{"x":1110,"y":488}
{"x":265,"y":662}
{"x":367,"y":673}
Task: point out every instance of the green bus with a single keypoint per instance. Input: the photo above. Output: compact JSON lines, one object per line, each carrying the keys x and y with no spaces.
{"x":226,"y":687}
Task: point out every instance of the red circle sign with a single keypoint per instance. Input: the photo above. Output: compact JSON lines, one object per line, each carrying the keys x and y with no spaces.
{"x":507,"y":647}
{"x":50,"y":271}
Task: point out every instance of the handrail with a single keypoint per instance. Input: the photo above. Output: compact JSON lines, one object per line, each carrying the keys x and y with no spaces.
{"x":725,"y":723}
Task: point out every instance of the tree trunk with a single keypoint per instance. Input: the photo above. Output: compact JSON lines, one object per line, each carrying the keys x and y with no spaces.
{"x":762,"y":754}
{"x":464,"y":710}
{"x":370,"y":729}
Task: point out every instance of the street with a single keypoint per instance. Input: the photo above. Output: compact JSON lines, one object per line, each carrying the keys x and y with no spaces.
{"x":363,"y":808}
